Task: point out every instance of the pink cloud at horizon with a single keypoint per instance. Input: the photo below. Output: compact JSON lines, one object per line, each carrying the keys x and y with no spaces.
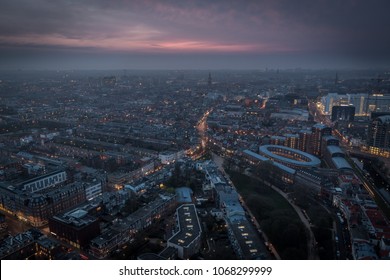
{"x":196,"y":28}
{"x":139,"y":44}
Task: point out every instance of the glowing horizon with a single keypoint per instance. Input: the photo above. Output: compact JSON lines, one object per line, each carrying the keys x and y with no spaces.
{"x":312,"y":29}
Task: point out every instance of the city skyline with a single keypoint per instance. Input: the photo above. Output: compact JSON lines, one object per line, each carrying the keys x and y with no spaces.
{"x":193,"y":34}
{"x":194,"y":130}
{"x":105,"y":165}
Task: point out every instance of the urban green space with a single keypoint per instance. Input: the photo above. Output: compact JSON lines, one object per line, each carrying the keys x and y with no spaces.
{"x":276,"y":216}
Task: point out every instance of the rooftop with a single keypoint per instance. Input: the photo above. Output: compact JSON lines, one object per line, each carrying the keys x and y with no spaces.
{"x":329,"y":137}
{"x":147,"y":209}
{"x":255,"y":155}
{"x":189,"y":227}
{"x":384,"y":119}
{"x":184,"y":195}
{"x":341,"y":163}
{"x":247,"y":239}
{"x":105,"y":238}
{"x":76,"y":217}
{"x":305,"y":159}
{"x":319,"y":126}
{"x":362,"y":250}
{"x":334,"y":149}
{"x":261,"y":158}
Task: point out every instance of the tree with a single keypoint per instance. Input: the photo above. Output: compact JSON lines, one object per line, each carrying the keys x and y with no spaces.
{"x":177,"y":179}
{"x":267,"y":171}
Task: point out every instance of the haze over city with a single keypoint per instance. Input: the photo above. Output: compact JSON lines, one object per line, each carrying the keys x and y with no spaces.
{"x":189,"y":34}
{"x":195,"y":130}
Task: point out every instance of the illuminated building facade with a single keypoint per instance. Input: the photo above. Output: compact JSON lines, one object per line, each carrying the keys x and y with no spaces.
{"x":364,"y":103}
{"x":343,"y":113}
{"x":187,"y":239}
{"x":304,"y":140}
{"x":330,"y":100}
{"x":378,"y":140}
{"x":318,"y":132}
{"x":289,"y":157}
{"x":75,"y":227}
{"x":36,"y":206}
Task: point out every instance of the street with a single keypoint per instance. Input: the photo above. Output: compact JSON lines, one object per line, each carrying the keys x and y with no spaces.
{"x":15,"y":225}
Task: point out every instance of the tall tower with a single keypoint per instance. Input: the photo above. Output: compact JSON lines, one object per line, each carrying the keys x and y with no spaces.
{"x":210,"y":81}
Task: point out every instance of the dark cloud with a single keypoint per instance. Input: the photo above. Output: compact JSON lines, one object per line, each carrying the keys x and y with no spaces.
{"x":358,"y":29}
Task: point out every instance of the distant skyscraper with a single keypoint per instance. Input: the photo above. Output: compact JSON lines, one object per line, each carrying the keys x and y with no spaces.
{"x":332,"y":99}
{"x":210,"y":81}
{"x":319,"y":131}
{"x":360,"y":102}
{"x":343,"y":113}
{"x":366,"y":103}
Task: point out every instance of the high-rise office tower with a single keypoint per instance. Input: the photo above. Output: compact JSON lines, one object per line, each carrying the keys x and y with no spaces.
{"x":379,"y":132}
{"x":209,"y":81}
{"x":333,"y":99}
{"x":343,"y":113}
{"x":360,"y":102}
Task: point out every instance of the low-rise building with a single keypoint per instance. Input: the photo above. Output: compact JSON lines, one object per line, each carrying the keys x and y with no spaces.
{"x":75,"y":227}
{"x":20,"y":246}
{"x":93,"y":189}
{"x":244,"y":239}
{"x":124,"y":230}
{"x":363,"y":250}
{"x":151,"y":212}
{"x":187,"y":239}
{"x":36,"y":207}
{"x":103,"y":245}
{"x":168,"y":157}
{"x":313,"y":180}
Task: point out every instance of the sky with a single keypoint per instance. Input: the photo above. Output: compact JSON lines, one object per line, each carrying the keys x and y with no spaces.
{"x":189,"y":34}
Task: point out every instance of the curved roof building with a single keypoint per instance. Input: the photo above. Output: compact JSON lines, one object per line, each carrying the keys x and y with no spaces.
{"x":290,"y":157}
{"x":341,"y":164}
{"x":335,"y":151}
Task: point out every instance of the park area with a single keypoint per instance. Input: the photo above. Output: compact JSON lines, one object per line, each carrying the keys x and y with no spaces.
{"x":276,"y":216}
